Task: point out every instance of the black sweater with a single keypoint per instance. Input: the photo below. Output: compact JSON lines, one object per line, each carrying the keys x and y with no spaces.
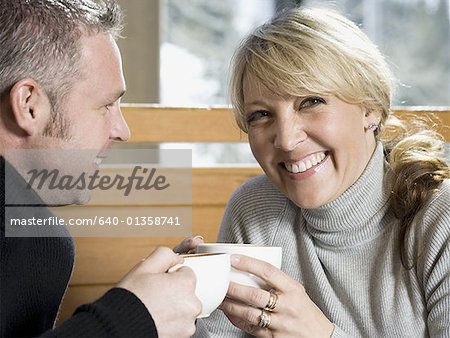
{"x":35,"y":271}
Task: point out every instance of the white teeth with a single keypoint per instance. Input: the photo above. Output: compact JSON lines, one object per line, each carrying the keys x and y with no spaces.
{"x":317,"y":158}
{"x":304,"y":165}
{"x":301,"y":167}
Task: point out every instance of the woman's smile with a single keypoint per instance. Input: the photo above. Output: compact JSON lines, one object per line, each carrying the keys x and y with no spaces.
{"x":306,"y":166}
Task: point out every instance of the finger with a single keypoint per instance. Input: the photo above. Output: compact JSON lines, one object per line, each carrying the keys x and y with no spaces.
{"x":247,"y":313}
{"x":243,"y":325}
{"x":188,"y":244}
{"x":161,"y":260}
{"x":248,"y":295}
{"x":187,"y":274}
{"x":267,"y":272}
{"x":245,"y":317}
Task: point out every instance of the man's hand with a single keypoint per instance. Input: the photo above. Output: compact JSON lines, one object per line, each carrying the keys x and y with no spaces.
{"x":169,"y":297}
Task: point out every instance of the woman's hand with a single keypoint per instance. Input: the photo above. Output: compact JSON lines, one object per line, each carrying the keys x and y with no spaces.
{"x":294,"y":314}
{"x":188,"y":245}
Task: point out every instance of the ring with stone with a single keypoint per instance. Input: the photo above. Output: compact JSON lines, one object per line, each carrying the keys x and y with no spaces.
{"x":264,"y":319}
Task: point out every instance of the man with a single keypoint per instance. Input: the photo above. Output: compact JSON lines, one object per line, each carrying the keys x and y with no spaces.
{"x":60,"y":87}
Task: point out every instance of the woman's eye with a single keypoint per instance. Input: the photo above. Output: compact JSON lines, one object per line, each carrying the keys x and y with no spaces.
{"x":257,"y":116}
{"x":311,"y":102}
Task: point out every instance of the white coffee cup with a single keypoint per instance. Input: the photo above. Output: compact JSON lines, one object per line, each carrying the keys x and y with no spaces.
{"x":270,"y":254}
{"x":212,"y":272}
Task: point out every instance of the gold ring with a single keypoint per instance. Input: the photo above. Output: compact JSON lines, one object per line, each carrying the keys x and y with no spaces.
{"x":264,"y":319}
{"x":273,"y":301}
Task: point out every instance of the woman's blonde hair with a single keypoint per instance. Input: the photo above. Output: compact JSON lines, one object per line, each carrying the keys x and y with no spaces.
{"x":318,"y":51}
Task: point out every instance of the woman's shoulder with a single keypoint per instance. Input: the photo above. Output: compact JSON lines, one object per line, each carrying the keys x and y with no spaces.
{"x":439,"y":204}
{"x":434,"y":237}
{"x":259,"y":187}
{"x":257,"y":194}
{"x":436,"y":217}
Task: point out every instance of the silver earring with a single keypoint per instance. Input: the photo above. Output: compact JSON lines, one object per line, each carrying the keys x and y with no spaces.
{"x":373,"y":127}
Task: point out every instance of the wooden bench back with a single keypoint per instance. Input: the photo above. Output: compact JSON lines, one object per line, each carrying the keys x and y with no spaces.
{"x":156,"y":124}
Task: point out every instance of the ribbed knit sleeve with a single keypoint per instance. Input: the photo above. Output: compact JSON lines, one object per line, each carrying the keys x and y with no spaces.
{"x":118,"y":313}
{"x":257,"y":199}
{"x":338,"y":333}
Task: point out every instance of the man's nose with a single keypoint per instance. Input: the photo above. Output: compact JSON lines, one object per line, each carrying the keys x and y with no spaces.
{"x":119,"y":129}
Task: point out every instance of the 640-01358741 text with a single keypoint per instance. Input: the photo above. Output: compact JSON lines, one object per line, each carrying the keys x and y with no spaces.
{"x":130,"y":220}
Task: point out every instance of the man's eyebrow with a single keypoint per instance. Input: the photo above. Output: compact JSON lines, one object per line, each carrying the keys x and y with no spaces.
{"x":120,"y":94}
{"x":117,"y":96}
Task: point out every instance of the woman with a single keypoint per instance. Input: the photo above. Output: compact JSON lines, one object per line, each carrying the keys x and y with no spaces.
{"x":359,"y":201}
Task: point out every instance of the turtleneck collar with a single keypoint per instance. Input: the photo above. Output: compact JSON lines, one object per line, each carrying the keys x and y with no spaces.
{"x":356,"y":216}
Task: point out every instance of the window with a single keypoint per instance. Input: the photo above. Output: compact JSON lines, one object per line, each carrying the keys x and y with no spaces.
{"x":415,"y":37}
{"x":413,"y":34}
{"x":203,"y":34}
{"x":199,"y":38}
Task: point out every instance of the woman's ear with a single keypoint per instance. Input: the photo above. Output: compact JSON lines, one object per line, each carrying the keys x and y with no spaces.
{"x":30,"y":106}
{"x":371,"y":119}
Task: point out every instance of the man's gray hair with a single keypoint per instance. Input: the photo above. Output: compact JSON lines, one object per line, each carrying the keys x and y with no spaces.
{"x":40,"y":39}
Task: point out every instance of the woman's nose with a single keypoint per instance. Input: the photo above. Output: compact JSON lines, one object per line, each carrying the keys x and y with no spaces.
{"x":289,"y":133}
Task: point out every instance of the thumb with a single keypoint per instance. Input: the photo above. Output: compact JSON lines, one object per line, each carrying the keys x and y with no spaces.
{"x":161,"y":260}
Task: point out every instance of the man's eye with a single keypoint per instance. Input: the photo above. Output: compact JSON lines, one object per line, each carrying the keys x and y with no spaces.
{"x":312,"y":102}
{"x":109,"y":106}
{"x":257,"y":116}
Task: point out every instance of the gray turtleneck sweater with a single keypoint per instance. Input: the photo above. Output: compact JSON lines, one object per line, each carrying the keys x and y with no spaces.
{"x":346,"y":254}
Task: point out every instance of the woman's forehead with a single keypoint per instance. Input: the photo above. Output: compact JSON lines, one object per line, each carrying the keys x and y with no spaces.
{"x":253,"y":87}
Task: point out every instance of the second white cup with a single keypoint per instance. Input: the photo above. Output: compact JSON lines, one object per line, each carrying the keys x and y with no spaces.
{"x":270,"y":254}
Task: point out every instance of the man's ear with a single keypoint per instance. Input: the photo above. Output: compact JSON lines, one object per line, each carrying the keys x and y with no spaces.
{"x":30,"y":106}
